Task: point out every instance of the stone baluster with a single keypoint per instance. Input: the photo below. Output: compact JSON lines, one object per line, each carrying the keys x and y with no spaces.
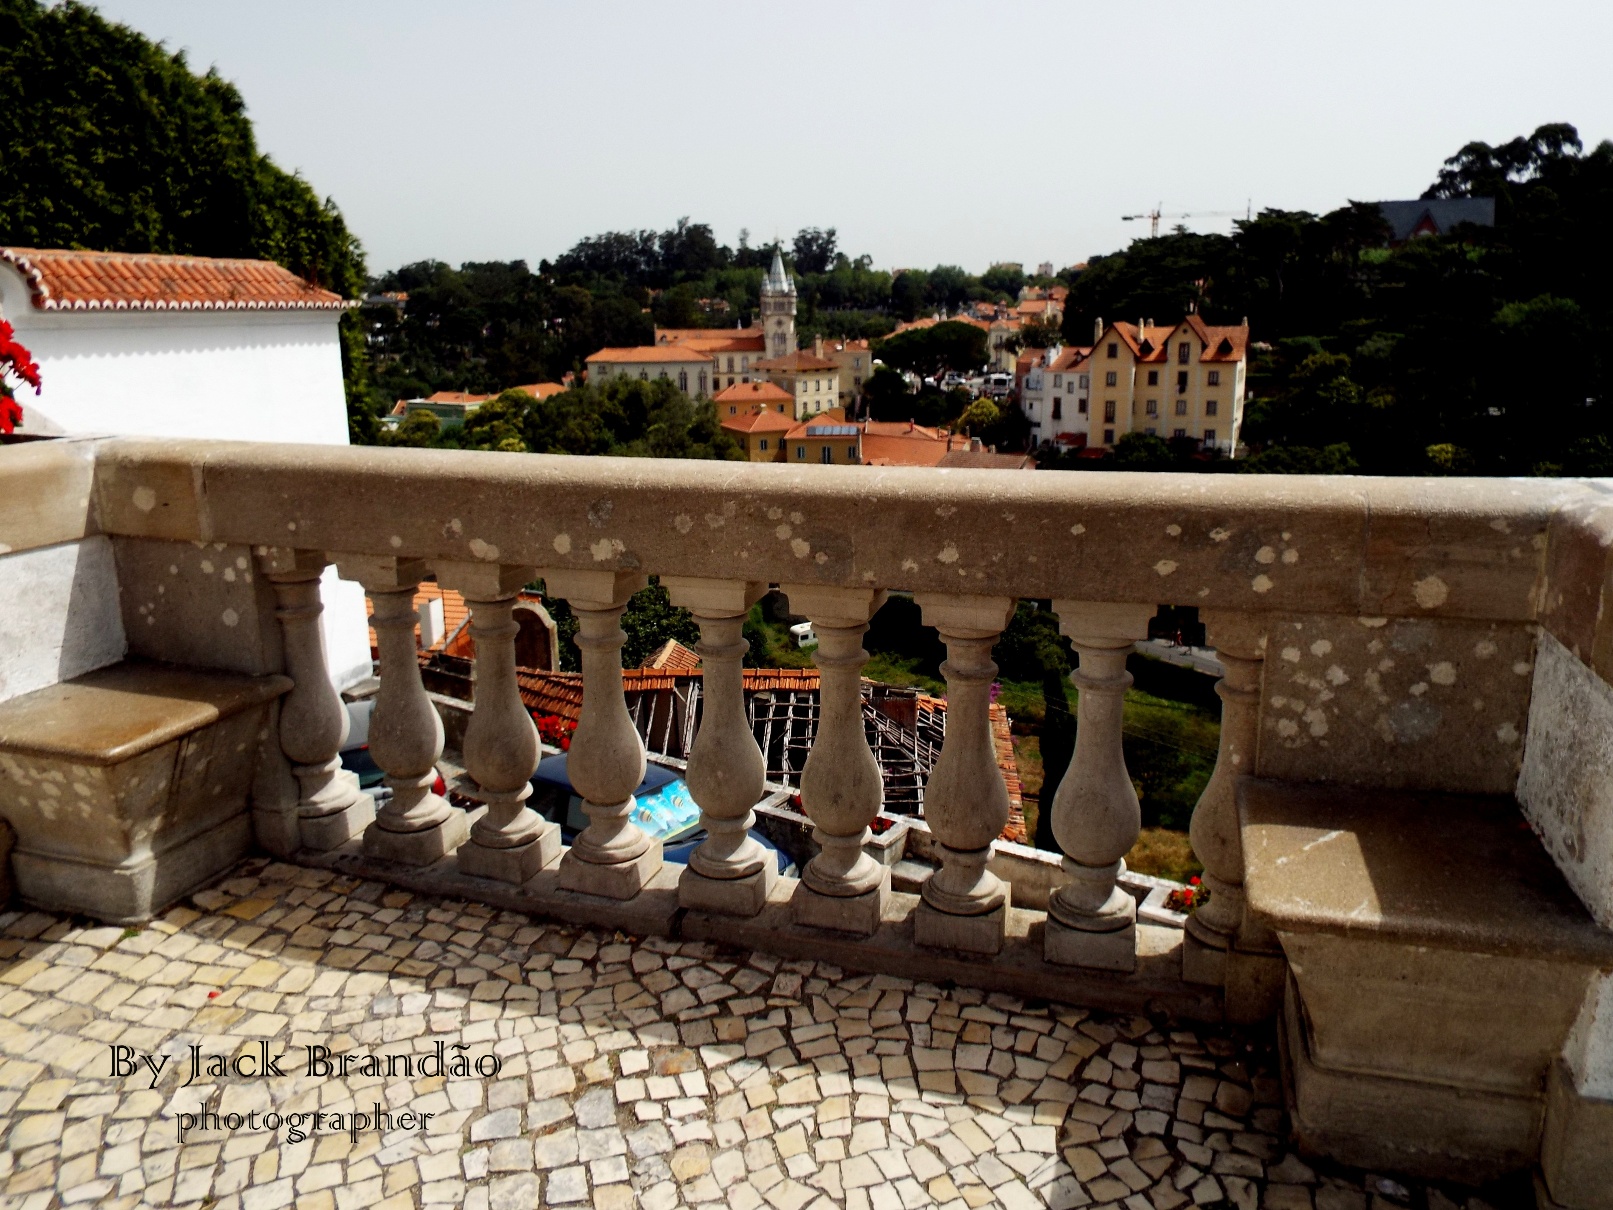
{"x":729,"y":872}
{"x":331,"y":809}
{"x":509,"y":842}
{"x":1091,"y":921}
{"x":964,"y":905}
{"x":611,"y":856}
{"x":842,"y":789}
{"x":1223,"y":946}
{"x":416,"y":826}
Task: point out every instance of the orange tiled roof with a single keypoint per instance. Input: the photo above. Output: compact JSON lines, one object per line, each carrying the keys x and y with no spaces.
{"x":797,"y":361}
{"x":673,"y":656}
{"x":72,"y":280}
{"x":649,"y":353}
{"x":893,"y":443}
{"x":456,"y":397}
{"x":748,"y":393}
{"x":752,"y":422}
{"x":455,"y":613}
{"x":542,"y":390}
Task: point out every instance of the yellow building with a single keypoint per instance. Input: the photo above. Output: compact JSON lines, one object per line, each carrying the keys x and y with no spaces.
{"x":856,"y":363}
{"x":813,"y":382}
{"x":1180,"y":381}
{"x":828,"y":440}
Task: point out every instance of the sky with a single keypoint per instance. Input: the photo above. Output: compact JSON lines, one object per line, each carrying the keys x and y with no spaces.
{"x":925,"y":133}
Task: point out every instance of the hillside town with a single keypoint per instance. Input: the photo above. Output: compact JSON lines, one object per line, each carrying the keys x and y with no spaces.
{"x":462,"y":743}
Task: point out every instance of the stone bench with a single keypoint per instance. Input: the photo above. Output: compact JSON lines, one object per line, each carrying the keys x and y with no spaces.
{"x":129,"y":786}
{"x":1437,"y":961}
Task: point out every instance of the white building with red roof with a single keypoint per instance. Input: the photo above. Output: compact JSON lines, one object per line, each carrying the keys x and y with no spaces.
{"x":174,"y":346}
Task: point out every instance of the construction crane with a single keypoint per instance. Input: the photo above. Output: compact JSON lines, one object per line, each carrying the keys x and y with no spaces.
{"x":1153,"y":216}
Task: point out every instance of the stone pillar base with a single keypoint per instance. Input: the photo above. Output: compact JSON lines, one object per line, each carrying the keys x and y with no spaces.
{"x":1114,"y":951}
{"x":728,"y":896}
{"x":422,"y":848}
{"x":1254,"y":985}
{"x":623,"y":880}
{"x":322,"y":833}
{"x":859,"y":914}
{"x":136,"y":889}
{"x":513,"y":865}
{"x":1575,"y":1158}
{"x":972,"y":934}
{"x":1204,"y":963}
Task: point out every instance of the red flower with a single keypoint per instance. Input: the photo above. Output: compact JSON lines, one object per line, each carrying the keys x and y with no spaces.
{"x":10,"y":414}
{"x":14,"y":361}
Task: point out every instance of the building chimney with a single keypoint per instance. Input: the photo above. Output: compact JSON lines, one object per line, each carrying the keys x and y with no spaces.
{"x":1097,"y":329}
{"x":974,"y":445}
{"x":817,"y":346}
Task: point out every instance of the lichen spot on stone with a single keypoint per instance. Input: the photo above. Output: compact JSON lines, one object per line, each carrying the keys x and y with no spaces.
{"x":1442,"y":673}
{"x":606,"y":548}
{"x":1287,"y":728}
{"x":1078,"y":529}
{"x":1290,"y":556}
{"x":1373,"y":623}
{"x":821,"y":557}
{"x":483,"y":550}
{"x":207,"y":566}
{"x":683,"y":523}
{"x":1336,"y":676}
{"x":1522,"y":668}
{"x":773,"y":514}
{"x":796,"y":518}
{"x":1430,"y":592}
{"x":800,"y":547}
{"x":229,"y":575}
{"x":145,"y":499}
{"x":456,"y":527}
{"x":1500,"y":526}
{"x":1174,"y":531}
{"x":783,"y":532}
{"x":1164,"y":567}
{"x":1220,"y":534}
{"x":230,"y":617}
{"x":173,"y":569}
{"x":910,"y":565}
{"x":1321,"y":647}
{"x":395,"y":541}
{"x":1484,"y":649}
{"x":1292,"y":654}
{"x":1261,"y":583}
{"x":291,"y":526}
{"x":1417,"y":690}
{"x":562,"y":543}
{"x":1507,"y":733}
{"x":949,"y":554}
{"x":1265,"y":555}
{"x":944,"y":510}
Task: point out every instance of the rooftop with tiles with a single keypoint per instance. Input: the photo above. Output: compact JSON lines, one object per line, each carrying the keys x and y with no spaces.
{"x":1407,"y":843}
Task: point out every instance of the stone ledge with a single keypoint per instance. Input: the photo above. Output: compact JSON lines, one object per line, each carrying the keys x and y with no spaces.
{"x":1155,"y":986}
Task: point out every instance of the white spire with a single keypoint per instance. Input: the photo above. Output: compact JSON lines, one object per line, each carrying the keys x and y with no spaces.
{"x":778,"y":281}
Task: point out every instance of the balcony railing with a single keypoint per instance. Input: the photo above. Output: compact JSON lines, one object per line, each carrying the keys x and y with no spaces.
{"x":1413,"y":647}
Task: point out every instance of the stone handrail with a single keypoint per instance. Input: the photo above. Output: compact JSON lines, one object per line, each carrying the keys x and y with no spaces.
{"x":1321,"y":591}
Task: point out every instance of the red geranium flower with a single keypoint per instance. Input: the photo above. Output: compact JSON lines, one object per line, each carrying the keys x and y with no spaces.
{"x":19,"y":362}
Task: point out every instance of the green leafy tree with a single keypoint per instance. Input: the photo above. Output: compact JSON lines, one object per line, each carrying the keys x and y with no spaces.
{"x":930,"y":352}
{"x":979,"y":416}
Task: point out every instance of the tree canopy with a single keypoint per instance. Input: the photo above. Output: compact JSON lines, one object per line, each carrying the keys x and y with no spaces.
{"x":109,"y":141}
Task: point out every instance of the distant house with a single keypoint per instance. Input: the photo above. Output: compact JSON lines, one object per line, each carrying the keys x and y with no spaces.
{"x":454,"y":407}
{"x":689,"y":368}
{"x":757,"y":415}
{"x":856,"y":364}
{"x":1435,"y":216}
{"x":735,"y":352}
{"x":813,"y":381}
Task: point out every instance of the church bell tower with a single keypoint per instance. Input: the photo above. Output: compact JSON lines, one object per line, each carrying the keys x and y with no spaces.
{"x":778,"y":309}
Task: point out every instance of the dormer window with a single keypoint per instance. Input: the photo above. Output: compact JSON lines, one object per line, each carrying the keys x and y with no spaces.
{"x":1114,"y":350}
{"x":1183,"y":351}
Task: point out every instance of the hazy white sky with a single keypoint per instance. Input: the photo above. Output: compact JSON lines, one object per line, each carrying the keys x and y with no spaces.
{"x":925,"y":132}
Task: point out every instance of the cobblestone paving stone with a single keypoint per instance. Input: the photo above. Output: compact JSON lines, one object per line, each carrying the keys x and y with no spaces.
{"x":633,"y":1072}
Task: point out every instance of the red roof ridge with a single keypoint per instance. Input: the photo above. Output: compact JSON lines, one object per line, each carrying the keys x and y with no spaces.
{"x":71,"y":279}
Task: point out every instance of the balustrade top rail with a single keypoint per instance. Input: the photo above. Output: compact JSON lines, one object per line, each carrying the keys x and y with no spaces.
{"x":1453,"y":548}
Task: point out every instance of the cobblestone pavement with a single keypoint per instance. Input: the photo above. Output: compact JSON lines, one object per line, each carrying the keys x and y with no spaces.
{"x":647,"y":1072}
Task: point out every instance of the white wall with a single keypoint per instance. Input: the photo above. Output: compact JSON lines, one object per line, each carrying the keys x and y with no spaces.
{"x":59,"y":615}
{"x":226,"y":375}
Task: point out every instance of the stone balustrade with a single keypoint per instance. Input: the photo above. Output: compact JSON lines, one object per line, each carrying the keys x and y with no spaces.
{"x":1378,"y":636}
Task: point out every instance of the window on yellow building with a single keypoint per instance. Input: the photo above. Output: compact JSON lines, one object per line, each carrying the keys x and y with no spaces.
{"x":1058,"y":408}
{"x":1152,"y":407}
{"x":1211,"y":407}
{"x":1114,"y":351}
{"x":1111,"y":379}
{"x":1181,"y":407}
{"x":1183,"y":350}
{"x":762,"y":445}
{"x":1153,"y":378}
{"x":1109,"y":410}
{"x":1213,"y":378}
{"x":800,"y":451}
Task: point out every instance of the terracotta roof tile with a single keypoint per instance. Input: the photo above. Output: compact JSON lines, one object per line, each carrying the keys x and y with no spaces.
{"x":673,"y":656}
{"x":649,"y":353}
{"x":764,"y":422}
{"x":748,"y":393}
{"x":72,"y":280}
{"x":798,"y":361}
